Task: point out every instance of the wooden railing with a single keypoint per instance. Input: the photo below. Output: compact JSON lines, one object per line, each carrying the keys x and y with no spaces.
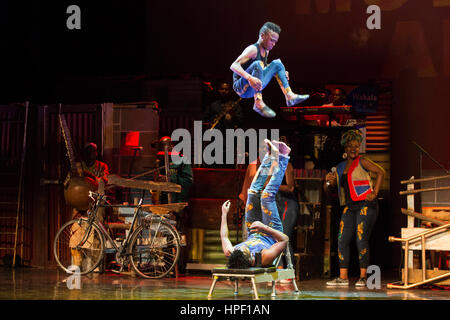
{"x":420,"y":239}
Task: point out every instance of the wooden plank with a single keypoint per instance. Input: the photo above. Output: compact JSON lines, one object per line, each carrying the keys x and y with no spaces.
{"x":164,"y":208}
{"x":422,"y":217}
{"x":412,"y":180}
{"x":146,"y":185}
{"x":423,"y":190}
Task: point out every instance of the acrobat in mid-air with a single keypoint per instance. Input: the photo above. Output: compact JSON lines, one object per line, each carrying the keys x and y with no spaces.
{"x":252,"y":73}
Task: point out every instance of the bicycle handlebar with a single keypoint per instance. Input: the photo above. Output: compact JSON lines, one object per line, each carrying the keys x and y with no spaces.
{"x":95,"y":196}
{"x":91,"y":195}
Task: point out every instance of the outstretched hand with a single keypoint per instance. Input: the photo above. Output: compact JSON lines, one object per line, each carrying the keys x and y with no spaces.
{"x":226,"y":207}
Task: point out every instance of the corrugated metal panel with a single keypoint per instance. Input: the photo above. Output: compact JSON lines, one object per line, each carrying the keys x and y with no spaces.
{"x":169,"y":122}
{"x":378,"y":135}
{"x":11,"y":136}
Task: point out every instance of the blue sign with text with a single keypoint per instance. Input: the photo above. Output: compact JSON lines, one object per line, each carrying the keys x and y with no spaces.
{"x":363,"y":99}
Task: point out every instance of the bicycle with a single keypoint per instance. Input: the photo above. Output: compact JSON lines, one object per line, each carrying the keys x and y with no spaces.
{"x":152,"y":246}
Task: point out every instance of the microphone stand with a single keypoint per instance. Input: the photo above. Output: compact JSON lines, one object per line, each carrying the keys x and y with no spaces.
{"x":135,"y":149}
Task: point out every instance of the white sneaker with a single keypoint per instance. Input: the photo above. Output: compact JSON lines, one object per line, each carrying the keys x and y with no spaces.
{"x":262,"y":109}
{"x":362,"y":282}
{"x":338,"y":282}
{"x":296,"y":99}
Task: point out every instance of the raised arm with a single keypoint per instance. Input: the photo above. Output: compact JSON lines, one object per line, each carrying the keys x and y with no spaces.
{"x":227,"y":247}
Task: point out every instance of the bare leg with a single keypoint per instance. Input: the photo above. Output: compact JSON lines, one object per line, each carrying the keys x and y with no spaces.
{"x":363,"y":273}
{"x":343,"y":273}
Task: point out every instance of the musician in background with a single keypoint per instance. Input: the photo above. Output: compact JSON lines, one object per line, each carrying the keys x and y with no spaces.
{"x":180,"y":174}
{"x":225,"y":112}
{"x":94,"y":169}
{"x":91,"y":166}
{"x":338,"y":97}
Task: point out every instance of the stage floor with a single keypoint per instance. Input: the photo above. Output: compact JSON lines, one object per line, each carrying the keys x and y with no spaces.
{"x":50,"y":284}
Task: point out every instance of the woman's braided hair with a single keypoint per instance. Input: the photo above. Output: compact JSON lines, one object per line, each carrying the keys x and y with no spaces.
{"x":351,"y":135}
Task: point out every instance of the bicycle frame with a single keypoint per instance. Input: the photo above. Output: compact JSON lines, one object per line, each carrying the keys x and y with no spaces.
{"x":148,"y":227}
{"x":92,"y":219}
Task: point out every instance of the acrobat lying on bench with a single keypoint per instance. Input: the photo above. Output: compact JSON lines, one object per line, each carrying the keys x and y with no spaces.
{"x":256,"y":275}
{"x":258,"y":256}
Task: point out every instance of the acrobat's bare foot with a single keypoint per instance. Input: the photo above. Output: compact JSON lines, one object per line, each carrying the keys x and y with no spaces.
{"x":282,"y":147}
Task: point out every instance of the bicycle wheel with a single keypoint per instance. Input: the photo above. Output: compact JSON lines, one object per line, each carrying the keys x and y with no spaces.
{"x":154,"y":248}
{"x":78,"y":246}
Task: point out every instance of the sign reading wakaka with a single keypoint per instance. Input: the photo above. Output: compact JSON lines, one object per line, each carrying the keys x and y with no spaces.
{"x":363,"y":99}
